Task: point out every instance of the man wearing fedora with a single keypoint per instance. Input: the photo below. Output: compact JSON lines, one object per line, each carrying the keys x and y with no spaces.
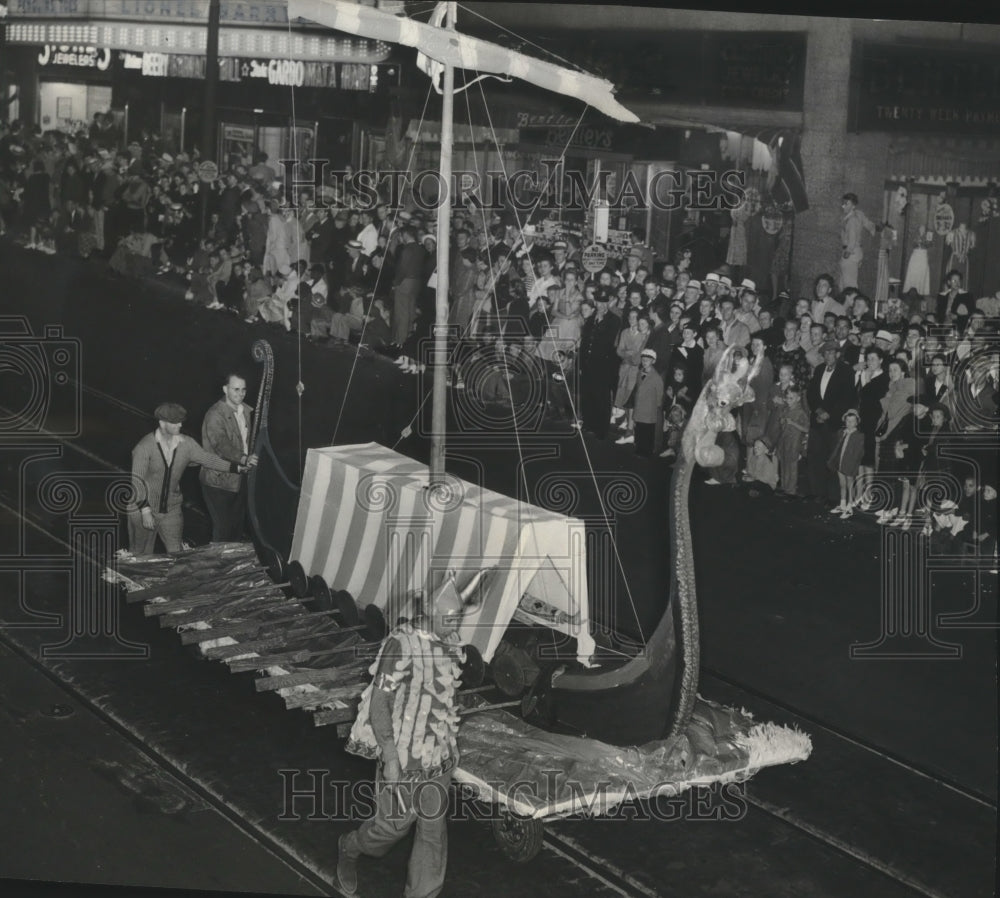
{"x":159,"y":460}
{"x":830,"y":393}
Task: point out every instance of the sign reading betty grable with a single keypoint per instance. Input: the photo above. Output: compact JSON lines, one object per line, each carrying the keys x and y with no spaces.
{"x":925,"y":90}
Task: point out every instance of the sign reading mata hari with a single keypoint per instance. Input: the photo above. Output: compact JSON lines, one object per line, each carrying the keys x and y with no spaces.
{"x":922,"y":90}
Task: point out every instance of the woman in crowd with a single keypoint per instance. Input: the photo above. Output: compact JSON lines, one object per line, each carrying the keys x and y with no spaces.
{"x":872,"y":384}
{"x":631,"y":342}
{"x":674,"y":335}
{"x":566,"y":314}
{"x":714,"y":348}
{"x":754,"y":415}
{"x":894,"y":433}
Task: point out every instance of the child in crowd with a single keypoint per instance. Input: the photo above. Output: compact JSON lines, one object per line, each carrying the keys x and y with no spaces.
{"x":845,"y":460}
{"x":673,"y":431}
{"x":762,"y":466}
{"x":792,"y":433}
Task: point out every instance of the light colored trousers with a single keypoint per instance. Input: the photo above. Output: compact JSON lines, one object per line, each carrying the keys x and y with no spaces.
{"x":169,"y":527}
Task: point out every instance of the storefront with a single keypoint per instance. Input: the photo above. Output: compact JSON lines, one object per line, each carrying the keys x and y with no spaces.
{"x":937,"y":113}
{"x":284,"y":91}
{"x":715,"y":168}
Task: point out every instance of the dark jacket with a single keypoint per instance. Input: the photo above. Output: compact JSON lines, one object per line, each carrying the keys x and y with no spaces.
{"x":839,"y":397}
{"x":659,"y":342}
{"x":220,"y":435}
{"x":870,"y":401}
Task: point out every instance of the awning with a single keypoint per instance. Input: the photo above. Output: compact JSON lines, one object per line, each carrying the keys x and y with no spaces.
{"x":188,"y":39}
{"x":367,"y":524}
{"x":944,"y":159}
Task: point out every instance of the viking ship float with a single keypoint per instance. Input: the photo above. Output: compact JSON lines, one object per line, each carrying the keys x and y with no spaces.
{"x":376,"y":530}
{"x":575,"y":561}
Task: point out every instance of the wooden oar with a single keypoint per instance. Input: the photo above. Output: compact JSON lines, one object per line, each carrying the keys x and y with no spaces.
{"x":189,"y":637}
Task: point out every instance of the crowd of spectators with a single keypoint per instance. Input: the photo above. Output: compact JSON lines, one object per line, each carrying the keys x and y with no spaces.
{"x":852,"y":402}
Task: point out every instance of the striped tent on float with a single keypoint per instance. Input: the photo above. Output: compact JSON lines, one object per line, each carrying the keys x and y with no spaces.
{"x":368,"y":523}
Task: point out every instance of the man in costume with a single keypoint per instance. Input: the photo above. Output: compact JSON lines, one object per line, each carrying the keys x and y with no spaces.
{"x":408,"y":721}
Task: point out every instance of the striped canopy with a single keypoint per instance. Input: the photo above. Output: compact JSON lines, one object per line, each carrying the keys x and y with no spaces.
{"x":368,"y":523}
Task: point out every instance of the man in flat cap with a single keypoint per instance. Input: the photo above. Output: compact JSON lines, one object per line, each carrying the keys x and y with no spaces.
{"x":159,"y":460}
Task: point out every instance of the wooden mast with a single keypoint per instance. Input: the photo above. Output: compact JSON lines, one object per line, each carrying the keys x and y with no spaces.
{"x":439,"y":362}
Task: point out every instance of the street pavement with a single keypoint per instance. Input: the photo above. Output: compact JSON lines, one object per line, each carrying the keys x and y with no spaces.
{"x":170,"y":746}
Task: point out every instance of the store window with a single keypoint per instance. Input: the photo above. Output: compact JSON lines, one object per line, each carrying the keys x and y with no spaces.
{"x":63,"y":104}
{"x":938,"y":225}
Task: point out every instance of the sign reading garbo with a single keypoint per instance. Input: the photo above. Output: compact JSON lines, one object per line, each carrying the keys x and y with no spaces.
{"x":69,"y":54}
{"x":284,"y":72}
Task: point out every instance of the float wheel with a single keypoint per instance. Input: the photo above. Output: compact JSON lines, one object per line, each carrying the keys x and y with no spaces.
{"x":274,"y":564}
{"x":519,"y":838}
{"x":298,"y":580}
{"x":375,"y":623}
{"x":474,"y":670}
{"x":344,"y":602}
{"x":320,"y":592}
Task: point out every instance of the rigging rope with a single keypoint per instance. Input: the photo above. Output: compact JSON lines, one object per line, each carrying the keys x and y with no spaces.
{"x":364,"y":322}
{"x":503,"y":356}
{"x":299,"y":386}
{"x":583,"y":443}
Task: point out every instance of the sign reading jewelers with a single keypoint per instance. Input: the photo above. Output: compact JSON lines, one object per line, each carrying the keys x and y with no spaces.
{"x":75,"y":55}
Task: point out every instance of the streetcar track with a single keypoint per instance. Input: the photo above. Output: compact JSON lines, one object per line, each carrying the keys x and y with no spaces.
{"x":884,"y":754}
{"x":593,"y":866}
{"x":563,"y":846}
{"x":600,"y":868}
{"x":841,"y":846}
